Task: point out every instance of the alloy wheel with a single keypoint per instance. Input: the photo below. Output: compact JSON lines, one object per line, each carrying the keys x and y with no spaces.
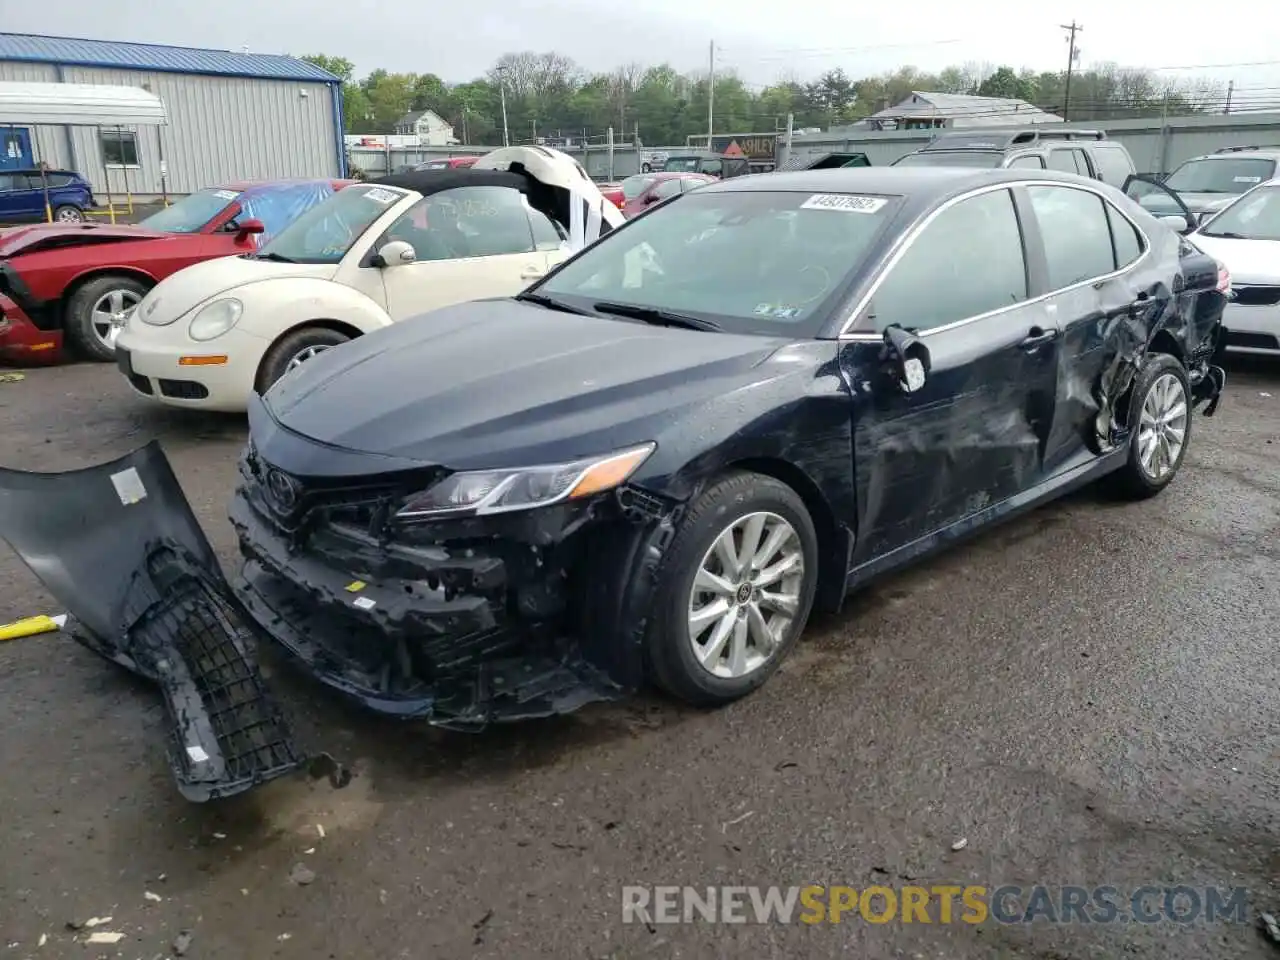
{"x":1162,"y":429}
{"x":110,"y":313}
{"x":69,"y":215}
{"x":745,"y":595}
{"x":303,"y":355}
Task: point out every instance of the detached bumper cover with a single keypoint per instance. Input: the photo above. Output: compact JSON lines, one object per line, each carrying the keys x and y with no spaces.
{"x":118,"y":546}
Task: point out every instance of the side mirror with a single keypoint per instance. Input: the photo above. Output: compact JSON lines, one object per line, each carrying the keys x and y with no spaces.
{"x":396,"y":253}
{"x":1177,"y":221}
{"x":247,"y":228}
{"x":906,"y":357}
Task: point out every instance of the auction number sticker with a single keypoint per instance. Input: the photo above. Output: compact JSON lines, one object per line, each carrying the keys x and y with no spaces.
{"x":1247,"y":179}
{"x":378,"y":195}
{"x":844,"y":202}
{"x":225,"y":194}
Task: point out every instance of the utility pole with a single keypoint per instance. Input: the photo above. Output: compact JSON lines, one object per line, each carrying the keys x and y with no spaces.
{"x":1231,"y":88}
{"x":711,"y":96}
{"x":502,"y":92}
{"x":1072,"y":29}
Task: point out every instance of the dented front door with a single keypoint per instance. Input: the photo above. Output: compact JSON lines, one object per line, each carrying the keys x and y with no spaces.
{"x":973,"y":435}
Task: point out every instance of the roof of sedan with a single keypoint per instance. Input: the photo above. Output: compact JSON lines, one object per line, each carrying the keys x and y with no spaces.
{"x":906,"y":181}
{"x":427,"y":182}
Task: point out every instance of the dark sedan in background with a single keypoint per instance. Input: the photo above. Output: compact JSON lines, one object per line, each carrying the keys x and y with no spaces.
{"x":654,"y":463}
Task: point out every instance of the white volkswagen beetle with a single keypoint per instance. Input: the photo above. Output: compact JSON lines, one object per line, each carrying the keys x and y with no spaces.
{"x":372,"y":254}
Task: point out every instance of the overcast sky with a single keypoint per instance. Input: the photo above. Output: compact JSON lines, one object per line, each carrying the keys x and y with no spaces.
{"x":761,"y":41}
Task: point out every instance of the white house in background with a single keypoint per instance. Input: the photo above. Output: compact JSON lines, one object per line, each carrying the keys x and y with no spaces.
{"x":428,"y":126}
{"x":924,"y":110}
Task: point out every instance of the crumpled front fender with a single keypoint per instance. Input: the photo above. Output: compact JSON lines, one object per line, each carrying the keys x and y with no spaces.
{"x":118,"y":546}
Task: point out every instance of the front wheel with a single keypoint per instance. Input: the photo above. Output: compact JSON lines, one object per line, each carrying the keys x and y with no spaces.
{"x":1159,"y":428}
{"x":294,"y":349}
{"x":68,"y":214}
{"x":97,"y":311}
{"x":738,"y":586}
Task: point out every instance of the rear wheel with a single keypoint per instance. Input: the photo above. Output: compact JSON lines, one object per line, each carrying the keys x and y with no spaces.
{"x":738,"y":586}
{"x":294,"y":349}
{"x":97,"y":310}
{"x":1160,"y":428}
{"x":68,"y":214}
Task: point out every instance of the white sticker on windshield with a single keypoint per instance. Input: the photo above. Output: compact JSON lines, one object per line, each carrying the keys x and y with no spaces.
{"x":378,"y":195}
{"x":1247,"y":179}
{"x":225,"y":194}
{"x":364,"y":603}
{"x":843,"y":201}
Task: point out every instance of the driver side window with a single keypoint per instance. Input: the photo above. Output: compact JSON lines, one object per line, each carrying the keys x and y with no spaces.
{"x":713,"y":167}
{"x":968,"y":261}
{"x":465,"y":222}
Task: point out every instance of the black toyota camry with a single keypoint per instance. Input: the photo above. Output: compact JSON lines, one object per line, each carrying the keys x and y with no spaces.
{"x":656,"y":462}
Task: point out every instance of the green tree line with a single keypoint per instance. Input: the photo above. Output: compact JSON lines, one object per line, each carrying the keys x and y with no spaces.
{"x":548,"y":94}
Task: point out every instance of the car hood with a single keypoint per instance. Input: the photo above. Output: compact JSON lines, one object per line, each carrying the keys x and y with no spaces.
{"x":1160,"y":204}
{"x":32,"y":238}
{"x":1250,"y":261}
{"x":497,"y":382}
{"x":187,"y":288}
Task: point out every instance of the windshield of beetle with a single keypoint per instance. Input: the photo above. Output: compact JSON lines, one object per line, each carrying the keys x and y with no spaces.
{"x":1255,"y":217}
{"x":761,"y":262}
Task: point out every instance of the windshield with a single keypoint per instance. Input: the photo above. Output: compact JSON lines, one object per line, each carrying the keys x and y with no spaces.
{"x":632,"y":187}
{"x":1220,"y":175}
{"x":950,"y":158}
{"x":760,"y":262}
{"x":192,"y":212}
{"x":328,"y":230}
{"x":1255,"y":217}
{"x":683,"y":164}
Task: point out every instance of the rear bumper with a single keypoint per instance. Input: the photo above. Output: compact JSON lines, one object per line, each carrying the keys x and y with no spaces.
{"x":462,"y":633}
{"x":1252,"y":329}
{"x":23,"y":343}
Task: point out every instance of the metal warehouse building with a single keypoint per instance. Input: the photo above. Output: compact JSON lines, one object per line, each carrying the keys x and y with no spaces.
{"x":231,"y":116}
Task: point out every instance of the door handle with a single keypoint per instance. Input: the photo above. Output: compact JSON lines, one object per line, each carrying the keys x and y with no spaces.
{"x":1037,"y":338}
{"x":531,"y":273}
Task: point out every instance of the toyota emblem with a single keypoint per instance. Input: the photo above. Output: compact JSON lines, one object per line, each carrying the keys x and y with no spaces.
{"x":283,"y":490}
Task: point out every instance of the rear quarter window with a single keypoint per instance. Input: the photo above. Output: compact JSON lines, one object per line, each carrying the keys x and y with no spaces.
{"x":1113,"y":163}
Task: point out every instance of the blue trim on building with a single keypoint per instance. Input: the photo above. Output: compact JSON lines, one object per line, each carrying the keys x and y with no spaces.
{"x":111,"y":54}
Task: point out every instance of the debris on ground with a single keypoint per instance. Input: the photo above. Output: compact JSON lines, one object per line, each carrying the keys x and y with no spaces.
{"x":301,"y":874}
{"x":1270,"y":927}
{"x":44,"y":938}
{"x":182,"y":943}
{"x":96,"y":921}
{"x":31,"y":626}
{"x":103,"y":936}
{"x":12,"y":377}
{"x":153,"y":897}
{"x":960,"y":844}
{"x":724,"y":827}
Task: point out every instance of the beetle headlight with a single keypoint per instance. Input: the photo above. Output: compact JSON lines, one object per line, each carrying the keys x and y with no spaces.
{"x":215,"y":319}
{"x":498,"y":491}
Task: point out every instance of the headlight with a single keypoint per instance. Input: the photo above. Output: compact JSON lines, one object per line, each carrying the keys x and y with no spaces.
{"x":215,"y":319}
{"x":498,"y":491}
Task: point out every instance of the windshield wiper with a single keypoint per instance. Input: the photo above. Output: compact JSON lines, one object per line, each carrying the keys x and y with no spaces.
{"x":1225,"y":235}
{"x":273,"y":256}
{"x":660,"y":318}
{"x":551,"y":303}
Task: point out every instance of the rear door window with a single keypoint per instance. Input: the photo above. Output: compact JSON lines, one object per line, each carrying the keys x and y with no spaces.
{"x":1076,"y":234}
{"x":973,"y":251}
{"x":1129,"y":243}
{"x":1030,"y":162}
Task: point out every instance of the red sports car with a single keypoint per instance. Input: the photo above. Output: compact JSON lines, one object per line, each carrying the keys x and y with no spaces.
{"x":82,"y":279}
{"x":645,"y":189}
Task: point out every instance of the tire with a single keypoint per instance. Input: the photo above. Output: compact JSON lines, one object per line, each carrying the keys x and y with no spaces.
{"x":68,"y":213}
{"x":670,"y":648}
{"x":1157,"y":387}
{"x":296,"y":346}
{"x":87,"y":321}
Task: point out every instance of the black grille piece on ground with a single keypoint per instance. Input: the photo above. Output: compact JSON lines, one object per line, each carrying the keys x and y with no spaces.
{"x":119,"y":548}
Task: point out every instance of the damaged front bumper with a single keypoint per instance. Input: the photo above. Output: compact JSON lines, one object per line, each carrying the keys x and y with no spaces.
{"x":118,"y":546}
{"x":461,"y":622}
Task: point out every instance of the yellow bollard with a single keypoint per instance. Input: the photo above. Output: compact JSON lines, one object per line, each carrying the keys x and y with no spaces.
{"x":31,"y":626}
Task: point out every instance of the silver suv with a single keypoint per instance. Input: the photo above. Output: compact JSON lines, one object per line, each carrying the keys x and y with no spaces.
{"x":1207,"y":184}
{"x":1085,"y":152}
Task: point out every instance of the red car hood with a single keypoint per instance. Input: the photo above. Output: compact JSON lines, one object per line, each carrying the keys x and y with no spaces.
{"x":23,"y":239}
